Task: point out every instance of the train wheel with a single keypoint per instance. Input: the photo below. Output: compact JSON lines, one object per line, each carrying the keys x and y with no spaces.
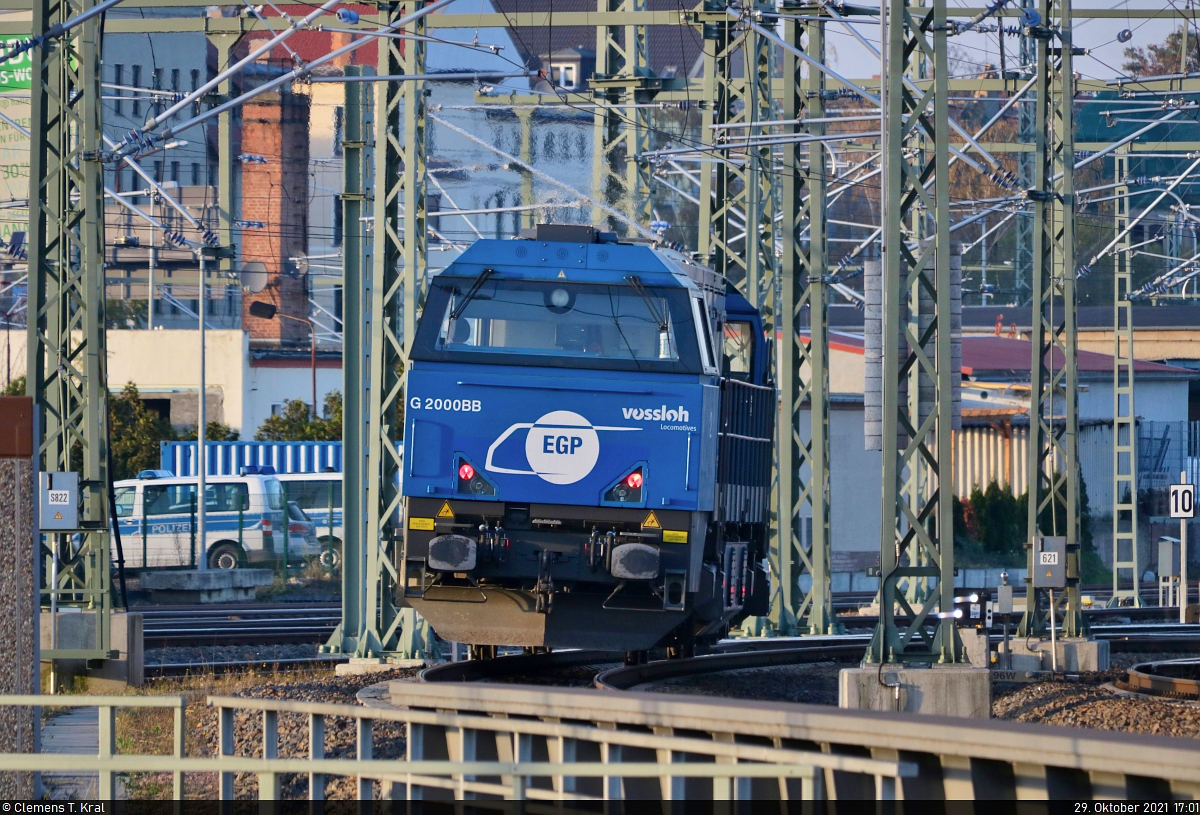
{"x":683,"y":650}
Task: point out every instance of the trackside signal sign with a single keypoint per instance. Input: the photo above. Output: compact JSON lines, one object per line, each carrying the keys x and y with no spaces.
{"x":1183,"y":501}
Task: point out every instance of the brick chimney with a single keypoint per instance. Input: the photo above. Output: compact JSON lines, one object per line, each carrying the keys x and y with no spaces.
{"x":275,"y":193}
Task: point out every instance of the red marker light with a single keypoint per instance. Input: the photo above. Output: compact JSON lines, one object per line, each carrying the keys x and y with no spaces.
{"x":634,"y":480}
{"x":466,"y":472}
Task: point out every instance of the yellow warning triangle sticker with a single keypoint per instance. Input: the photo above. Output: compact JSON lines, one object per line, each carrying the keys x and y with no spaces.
{"x":563,"y":275}
{"x":445,"y":511}
{"x":58,"y":516}
{"x":651,"y":521}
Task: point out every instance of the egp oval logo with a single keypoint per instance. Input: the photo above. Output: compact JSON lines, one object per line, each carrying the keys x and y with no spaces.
{"x":561,"y":447}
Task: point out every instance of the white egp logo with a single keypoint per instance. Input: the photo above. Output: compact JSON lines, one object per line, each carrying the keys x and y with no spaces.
{"x":561,"y":447}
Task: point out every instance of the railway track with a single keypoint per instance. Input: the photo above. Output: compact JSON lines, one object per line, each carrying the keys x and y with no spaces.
{"x":610,"y":672}
{"x":1178,"y":679}
{"x":299,"y":623}
{"x":241,"y":624}
{"x":261,"y":666}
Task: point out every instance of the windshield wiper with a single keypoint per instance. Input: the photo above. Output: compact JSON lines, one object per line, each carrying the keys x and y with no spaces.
{"x":471,"y":292}
{"x":659,"y":318}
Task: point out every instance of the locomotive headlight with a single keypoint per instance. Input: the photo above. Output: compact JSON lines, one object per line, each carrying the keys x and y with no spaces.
{"x":559,"y":298}
{"x":470,"y":482}
{"x":628,"y":489}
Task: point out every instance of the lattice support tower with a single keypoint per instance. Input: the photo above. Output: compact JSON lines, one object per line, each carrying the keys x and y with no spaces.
{"x":737,"y":234}
{"x":1053,"y":474}
{"x":917,"y":440}
{"x":391,"y":293}
{"x":621,"y":133}
{"x":1125,"y":444}
{"x":803,"y":367}
{"x":357,"y":201}
{"x":1026,"y":125}
{"x":66,"y":350}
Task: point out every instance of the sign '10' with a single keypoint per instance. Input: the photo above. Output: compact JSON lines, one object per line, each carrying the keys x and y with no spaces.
{"x":1183,"y":500}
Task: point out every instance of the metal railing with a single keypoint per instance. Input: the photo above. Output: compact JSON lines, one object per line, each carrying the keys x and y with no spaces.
{"x":463,"y":755}
{"x":512,"y":741}
{"x":955,"y":758}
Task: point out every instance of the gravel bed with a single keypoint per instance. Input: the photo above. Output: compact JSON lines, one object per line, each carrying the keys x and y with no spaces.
{"x":204,"y":654}
{"x":1092,"y":703}
{"x":814,"y":684}
{"x":340,"y":739}
{"x":1069,"y":704}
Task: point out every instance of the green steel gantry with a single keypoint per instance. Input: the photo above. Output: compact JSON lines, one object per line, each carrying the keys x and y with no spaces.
{"x":66,"y":357}
{"x":357,"y":201}
{"x":623,"y":85}
{"x":388,"y":290}
{"x":1125,"y":439}
{"x":1026,"y":124}
{"x":917,"y":526}
{"x":1053,"y":462}
{"x":803,"y":367}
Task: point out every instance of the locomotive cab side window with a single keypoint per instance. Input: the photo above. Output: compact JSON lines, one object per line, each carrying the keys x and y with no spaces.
{"x":738,"y":350}
{"x":703,"y":336}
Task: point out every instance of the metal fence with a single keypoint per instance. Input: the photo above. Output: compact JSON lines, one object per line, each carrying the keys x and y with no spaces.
{"x":457,"y":755}
{"x":512,"y":741}
{"x":228,"y":457}
{"x":1193,"y":454}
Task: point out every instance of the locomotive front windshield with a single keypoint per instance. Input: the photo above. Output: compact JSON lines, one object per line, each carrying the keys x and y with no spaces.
{"x":559,"y":323}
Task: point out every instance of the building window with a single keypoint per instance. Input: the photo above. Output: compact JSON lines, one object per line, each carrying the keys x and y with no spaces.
{"x":135,"y":79}
{"x":195,"y":174}
{"x":118,"y":79}
{"x":563,"y":74}
{"x":175,"y":171}
{"x":158,"y":170}
{"x":195,"y":85}
{"x":175,"y":79}
{"x":156,"y":84}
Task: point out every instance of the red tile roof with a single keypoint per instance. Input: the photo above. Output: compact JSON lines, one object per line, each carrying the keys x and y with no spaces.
{"x":1004,"y":355}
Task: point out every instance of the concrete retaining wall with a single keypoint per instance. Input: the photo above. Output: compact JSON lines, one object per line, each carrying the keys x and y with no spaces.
{"x":18,"y":618}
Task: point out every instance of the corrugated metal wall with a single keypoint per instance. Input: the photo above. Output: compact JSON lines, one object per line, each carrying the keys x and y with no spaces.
{"x":979,"y":458}
{"x":982,"y":455}
{"x":228,"y":457}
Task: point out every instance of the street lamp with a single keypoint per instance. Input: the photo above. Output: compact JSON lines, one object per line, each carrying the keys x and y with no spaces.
{"x":267,"y":311}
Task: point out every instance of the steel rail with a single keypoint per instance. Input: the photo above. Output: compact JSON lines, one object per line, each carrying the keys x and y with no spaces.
{"x":490,"y":670}
{"x":631,"y":676}
{"x":163,"y":670}
{"x":1176,"y":678}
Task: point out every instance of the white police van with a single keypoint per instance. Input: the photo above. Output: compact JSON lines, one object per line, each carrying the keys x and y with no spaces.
{"x":244,"y":515}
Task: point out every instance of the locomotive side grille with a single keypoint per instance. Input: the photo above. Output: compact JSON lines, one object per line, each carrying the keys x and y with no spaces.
{"x":744,"y":451}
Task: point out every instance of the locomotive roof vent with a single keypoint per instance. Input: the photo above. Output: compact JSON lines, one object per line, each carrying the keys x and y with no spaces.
{"x":568,"y":233}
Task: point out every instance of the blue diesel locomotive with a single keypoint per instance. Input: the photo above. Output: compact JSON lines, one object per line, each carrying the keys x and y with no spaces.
{"x":588,"y":431}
